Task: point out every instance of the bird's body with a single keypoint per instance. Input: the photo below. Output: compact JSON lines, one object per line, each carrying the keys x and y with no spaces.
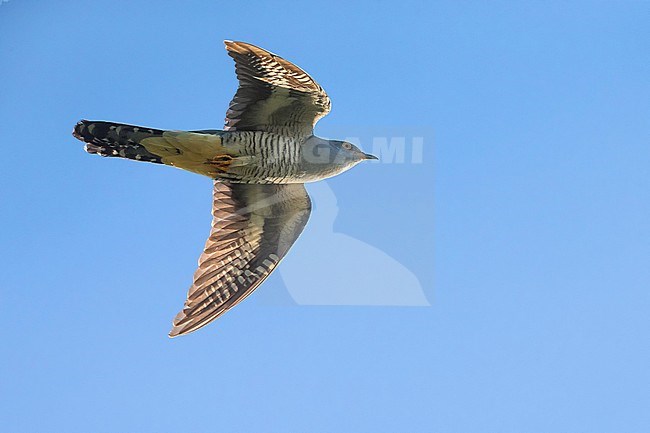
{"x":259,"y":162}
{"x":234,"y":156}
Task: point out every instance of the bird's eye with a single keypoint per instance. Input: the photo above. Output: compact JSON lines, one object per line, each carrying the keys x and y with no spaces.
{"x":347,"y":146}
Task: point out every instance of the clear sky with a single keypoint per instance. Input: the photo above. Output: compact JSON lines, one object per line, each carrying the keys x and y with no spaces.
{"x":525,"y":224}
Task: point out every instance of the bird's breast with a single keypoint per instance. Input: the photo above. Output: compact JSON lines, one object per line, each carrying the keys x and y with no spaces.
{"x":270,"y":158}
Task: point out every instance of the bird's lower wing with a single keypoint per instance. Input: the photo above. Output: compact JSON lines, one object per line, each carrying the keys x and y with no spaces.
{"x":253,"y":228}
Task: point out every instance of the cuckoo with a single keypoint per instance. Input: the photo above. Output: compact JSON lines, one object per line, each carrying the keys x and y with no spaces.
{"x":259,"y":163}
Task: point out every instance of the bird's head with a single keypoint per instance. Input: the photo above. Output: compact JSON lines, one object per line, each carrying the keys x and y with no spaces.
{"x":331,"y":157}
{"x":333,"y":152}
{"x":348,"y":153}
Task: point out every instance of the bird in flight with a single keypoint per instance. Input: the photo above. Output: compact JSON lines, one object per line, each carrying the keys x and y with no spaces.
{"x":259,"y":163}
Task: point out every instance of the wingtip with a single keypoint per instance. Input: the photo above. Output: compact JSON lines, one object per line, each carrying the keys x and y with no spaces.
{"x":230,"y":44}
{"x":236,"y":46}
{"x":241,"y":47}
{"x":178,"y":331}
{"x":175,"y":331}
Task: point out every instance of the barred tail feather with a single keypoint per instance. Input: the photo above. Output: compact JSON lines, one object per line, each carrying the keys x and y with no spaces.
{"x":116,"y":140}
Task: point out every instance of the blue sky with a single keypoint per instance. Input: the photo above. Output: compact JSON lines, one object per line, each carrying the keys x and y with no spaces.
{"x":526,"y":224}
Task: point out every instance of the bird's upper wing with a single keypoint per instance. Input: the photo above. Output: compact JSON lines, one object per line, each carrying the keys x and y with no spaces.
{"x":274,"y":95}
{"x":253,"y":228}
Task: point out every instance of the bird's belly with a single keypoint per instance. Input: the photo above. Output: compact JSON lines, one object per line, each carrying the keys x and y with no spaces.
{"x":266,"y":158}
{"x":278,"y":172}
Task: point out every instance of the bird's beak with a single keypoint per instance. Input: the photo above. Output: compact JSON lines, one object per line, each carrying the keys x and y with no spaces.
{"x":369,"y":156}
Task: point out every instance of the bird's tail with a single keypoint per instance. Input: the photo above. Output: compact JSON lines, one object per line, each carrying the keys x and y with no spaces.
{"x":116,"y":140}
{"x":200,"y":152}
